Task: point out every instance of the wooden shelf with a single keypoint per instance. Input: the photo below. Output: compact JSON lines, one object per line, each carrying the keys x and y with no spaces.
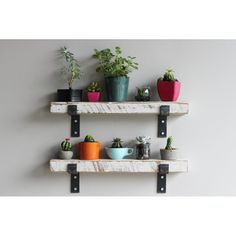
{"x":176,"y":108}
{"x":122,"y":166}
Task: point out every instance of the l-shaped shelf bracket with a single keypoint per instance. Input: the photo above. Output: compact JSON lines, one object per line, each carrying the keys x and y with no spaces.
{"x":162,"y":121}
{"x":74,"y":178}
{"x":75,"y":120}
{"x":161,"y":178}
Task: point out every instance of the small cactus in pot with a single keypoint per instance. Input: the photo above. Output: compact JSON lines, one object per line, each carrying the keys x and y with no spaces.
{"x":93,"y":92}
{"x":169,"y":153}
{"x":117,"y":143}
{"x":66,"y":149}
{"x":143,"y":151}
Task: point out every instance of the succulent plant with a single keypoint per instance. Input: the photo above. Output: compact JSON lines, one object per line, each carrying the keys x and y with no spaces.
{"x":169,"y":76}
{"x":143,"y":92}
{"x":66,"y":145}
{"x":89,"y":139}
{"x":116,"y":143}
{"x":94,"y":87}
{"x":143,"y":139}
{"x":169,"y":143}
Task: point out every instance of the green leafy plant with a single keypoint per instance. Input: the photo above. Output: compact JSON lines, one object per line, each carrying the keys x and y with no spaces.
{"x":117,"y":143}
{"x":113,"y":64}
{"x":143,"y":92}
{"x":169,"y":76}
{"x":73,"y":67}
{"x":94,"y":87}
{"x":89,"y":139}
{"x":66,"y":145}
{"x":169,"y":143}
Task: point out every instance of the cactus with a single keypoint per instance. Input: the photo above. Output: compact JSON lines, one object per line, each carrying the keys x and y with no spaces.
{"x":66,"y":145}
{"x":169,"y":76}
{"x":116,"y":143}
{"x":89,"y":139}
{"x":143,"y":139}
{"x":169,"y":143}
{"x":94,"y":87}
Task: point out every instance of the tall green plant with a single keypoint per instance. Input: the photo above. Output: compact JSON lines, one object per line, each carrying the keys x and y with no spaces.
{"x":113,"y":64}
{"x":169,"y":143}
{"x":73,"y":67}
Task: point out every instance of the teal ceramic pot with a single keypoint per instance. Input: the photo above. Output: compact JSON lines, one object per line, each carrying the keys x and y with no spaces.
{"x":117,"y":88}
{"x":118,"y":153}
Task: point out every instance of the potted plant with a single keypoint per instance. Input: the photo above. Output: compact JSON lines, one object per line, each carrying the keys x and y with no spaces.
{"x":72,"y":72}
{"x":168,"y":86}
{"x":143,"y":151}
{"x":169,"y":153}
{"x":117,"y":151}
{"x":115,"y":69}
{"x":143,"y":94}
{"x":66,"y":150}
{"x":89,"y":149}
{"x":93,"y":92}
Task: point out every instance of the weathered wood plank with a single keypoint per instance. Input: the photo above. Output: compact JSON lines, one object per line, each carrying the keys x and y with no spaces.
{"x":176,"y":108}
{"x":128,"y":166}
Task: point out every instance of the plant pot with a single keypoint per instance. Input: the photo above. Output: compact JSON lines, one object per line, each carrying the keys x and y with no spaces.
{"x":118,"y":153}
{"x":168,"y":91}
{"x":142,"y":98}
{"x":117,"y":88}
{"x":89,"y":150}
{"x":69,"y":95}
{"x":93,"y":96}
{"x":65,"y":155}
{"x":169,"y":154}
{"x":143,"y":151}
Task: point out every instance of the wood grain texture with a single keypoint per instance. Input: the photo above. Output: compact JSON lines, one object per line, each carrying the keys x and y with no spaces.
{"x":128,"y":166}
{"x":176,"y":108}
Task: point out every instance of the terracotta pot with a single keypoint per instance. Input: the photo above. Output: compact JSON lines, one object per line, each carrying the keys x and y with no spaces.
{"x":168,"y":91}
{"x":93,"y":96}
{"x":89,"y":150}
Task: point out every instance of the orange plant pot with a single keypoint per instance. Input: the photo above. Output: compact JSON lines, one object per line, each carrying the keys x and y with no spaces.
{"x":89,"y":150}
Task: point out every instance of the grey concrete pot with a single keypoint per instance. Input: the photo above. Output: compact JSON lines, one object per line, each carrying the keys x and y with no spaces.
{"x":169,"y":154}
{"x":65,"y":155}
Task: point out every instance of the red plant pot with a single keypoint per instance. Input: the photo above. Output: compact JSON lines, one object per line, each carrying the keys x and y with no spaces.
{"x":93,"y":96}
{"x":168,"y":91}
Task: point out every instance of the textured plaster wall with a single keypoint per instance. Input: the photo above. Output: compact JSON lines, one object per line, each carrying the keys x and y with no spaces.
{"x":30,"y":135}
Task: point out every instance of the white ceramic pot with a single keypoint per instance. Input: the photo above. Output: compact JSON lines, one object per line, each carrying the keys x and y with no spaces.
{"x":65,"y":155}
{"x":169,"y":154}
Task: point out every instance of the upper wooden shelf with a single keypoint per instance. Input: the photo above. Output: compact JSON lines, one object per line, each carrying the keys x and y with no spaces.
{"x":176,"y":108}
{"x":126,"y":165}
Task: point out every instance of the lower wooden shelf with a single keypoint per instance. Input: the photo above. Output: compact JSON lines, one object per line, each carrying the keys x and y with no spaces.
{"x":122,"y":166}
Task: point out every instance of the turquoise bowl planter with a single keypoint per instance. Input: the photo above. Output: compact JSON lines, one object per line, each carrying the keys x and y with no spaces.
{"x":117,"y":88}
{"x":118,"y":153}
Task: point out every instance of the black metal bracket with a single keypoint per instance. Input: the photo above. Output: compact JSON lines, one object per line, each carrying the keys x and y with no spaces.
{"x":161,"y":178}
{"x":75,"y":120}
{"x":162,"y":121}
{"x":74,"y":178}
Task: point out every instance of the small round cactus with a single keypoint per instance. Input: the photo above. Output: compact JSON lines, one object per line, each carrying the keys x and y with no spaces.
{"x":89,"y":139}
{"x":66,"y":145}
{"x":169,"y":76}
{"x":169,"y":143}
{"x":116,"y":143}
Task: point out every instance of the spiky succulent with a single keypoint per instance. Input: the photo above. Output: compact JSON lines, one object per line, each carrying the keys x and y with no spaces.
{"x":117,"y":143}
{"x":169,"y":143}
{"x":94,"y":87}
{"x":169,"y":76}
{"x":66,"y":145}
{"x":89,"y":139}
{"x":143,"y":139}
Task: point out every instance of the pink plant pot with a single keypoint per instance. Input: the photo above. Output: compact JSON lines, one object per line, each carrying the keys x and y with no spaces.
{"x":168,"y":91}
{"x":93,"y":96}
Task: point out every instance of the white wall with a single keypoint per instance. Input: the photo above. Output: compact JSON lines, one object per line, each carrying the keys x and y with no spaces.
{"x":30,"y":134}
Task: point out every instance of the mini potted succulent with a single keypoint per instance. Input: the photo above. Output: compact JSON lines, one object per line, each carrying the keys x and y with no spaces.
{"x":115,"y":69}
{"x":93,"y":92}
{"x":117,"y":151}
{"x":143,"y":94}
{"x":89,"y":149}
{"x":143,"y":151}
{"x":169,"y":153}
{"x":66,"y":150}
{"x":72,"y":72}
{"x":168,"y":86}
